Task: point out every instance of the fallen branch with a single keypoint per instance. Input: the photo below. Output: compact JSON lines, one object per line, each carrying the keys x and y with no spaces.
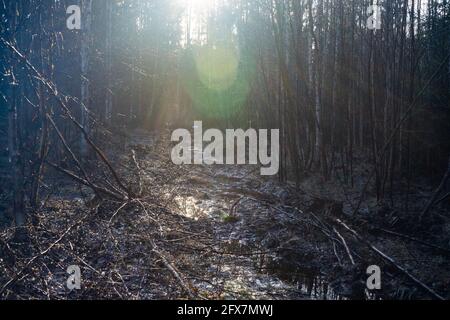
{"x":42,"y":253}
{"x":117,"y":211}
{"x":345,"y":246}
{"x":404,"y":236}
{"x":74,"y":158}
{"x":391,"y":261}
{"x":86,"y":183}
{"x":173,"y":270}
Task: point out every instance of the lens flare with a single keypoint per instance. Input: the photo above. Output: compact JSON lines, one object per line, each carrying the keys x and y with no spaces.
{"x":217,"y":78}
{"x":217,"y":66}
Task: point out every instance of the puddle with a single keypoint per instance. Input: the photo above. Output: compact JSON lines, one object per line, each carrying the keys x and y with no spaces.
{"x":245,"y":277}
{"x":209,"y":192}
{"x":310,"y":283}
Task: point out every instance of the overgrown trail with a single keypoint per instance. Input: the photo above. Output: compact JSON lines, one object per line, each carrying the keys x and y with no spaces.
{"x":202,"y":232}
{"x":262,"y":239}
{"x":236,"y":208}
{"x":220,"y":195}
{"x":212,"y":232}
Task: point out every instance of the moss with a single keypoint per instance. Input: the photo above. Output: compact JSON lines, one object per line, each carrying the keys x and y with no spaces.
{"x":228,"y":218}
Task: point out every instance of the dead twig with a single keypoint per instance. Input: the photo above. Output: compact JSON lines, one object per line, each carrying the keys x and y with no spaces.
{"x":173,"y":270}
{"x":42,"y":253}
{"x":117,"y":211}
{"x":62,"y":104}
{"x":86,"y":183}
{"x":345,"y":246}
{"x":139,"y":171}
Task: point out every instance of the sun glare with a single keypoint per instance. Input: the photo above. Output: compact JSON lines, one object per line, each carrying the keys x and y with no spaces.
{"x":198,"y":4}
{"x":194,"y":17}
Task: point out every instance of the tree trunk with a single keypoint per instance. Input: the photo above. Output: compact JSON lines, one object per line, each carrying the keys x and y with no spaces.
{"x":86,"y":14}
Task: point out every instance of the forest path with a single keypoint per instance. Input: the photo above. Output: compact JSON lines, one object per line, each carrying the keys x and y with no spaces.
{"x":231,"y":200}
{"x":220,"y":194}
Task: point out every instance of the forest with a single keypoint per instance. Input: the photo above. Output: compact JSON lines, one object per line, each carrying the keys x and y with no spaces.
{"x":348,"y":101}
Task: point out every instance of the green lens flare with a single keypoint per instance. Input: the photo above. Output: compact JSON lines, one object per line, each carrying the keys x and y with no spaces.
{"x":216,"y":67}
{"x":217,"y":79}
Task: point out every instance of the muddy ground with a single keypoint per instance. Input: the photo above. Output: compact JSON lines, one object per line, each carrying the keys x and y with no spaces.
{"x":222,"y":232}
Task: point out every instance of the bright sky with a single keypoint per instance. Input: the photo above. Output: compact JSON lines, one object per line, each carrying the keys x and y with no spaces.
{"x":195,"y":13}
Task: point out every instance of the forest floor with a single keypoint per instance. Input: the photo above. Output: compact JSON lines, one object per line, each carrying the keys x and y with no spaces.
{"x":220,"y":232}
